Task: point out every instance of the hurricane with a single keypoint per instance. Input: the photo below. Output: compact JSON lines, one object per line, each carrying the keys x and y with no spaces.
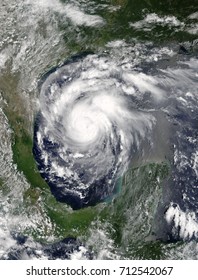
{"x":88,"y":130}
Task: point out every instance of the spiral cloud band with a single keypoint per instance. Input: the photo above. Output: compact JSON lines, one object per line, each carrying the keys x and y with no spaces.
{"x":88,"y":130}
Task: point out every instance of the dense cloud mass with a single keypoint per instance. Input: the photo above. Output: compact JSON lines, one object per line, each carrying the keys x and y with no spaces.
{"x":88,"y":129}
